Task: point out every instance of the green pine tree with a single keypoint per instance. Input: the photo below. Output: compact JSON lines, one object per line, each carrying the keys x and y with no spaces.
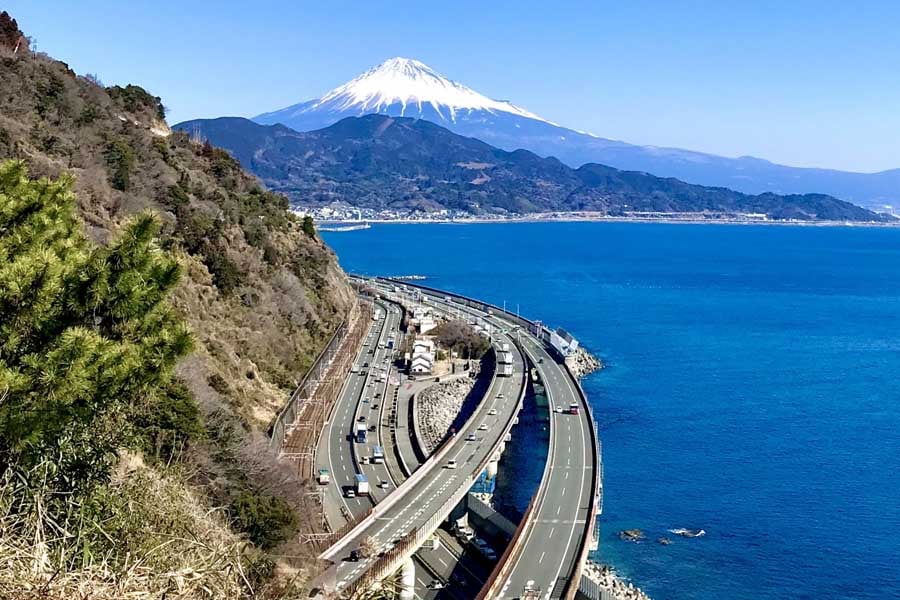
{"x":87,"y":338}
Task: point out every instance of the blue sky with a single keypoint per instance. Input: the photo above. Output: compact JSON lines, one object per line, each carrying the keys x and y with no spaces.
{"x":797,"y":82}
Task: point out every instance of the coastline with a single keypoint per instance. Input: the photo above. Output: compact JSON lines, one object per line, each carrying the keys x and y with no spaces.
{"x":599,"y":218}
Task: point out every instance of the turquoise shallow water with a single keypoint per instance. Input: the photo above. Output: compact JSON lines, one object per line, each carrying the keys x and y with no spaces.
{"x":752,"y":388}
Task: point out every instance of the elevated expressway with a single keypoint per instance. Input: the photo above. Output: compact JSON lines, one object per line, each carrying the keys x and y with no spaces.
{"x":398,"y":524}
{"x":557,"y":531}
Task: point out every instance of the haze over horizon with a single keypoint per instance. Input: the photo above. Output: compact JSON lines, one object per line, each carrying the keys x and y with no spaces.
{"x":791,"y":85}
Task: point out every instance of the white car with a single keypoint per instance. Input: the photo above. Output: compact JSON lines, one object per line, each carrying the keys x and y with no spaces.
{"x":559,"y":409}
{"x":451,"y":464}
{"x":482,"y":427}
{"x":492,"y":412}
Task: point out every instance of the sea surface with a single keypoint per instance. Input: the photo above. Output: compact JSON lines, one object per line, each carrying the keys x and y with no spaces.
{"x":752,"y":387}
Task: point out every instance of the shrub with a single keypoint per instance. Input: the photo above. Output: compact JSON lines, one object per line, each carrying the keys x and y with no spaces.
{"x":169,"y":423}
{"x":135,"y":98}
{"x":119,"y":160}
{"x":266,"y":519}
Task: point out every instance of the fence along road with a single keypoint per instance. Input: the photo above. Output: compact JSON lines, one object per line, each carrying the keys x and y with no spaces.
{"x":551,"y":545}
{"x":424,"y":500}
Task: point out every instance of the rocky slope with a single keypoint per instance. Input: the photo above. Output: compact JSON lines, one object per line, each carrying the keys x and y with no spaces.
{"x":403,"y":164}
{"x":261,"y":295}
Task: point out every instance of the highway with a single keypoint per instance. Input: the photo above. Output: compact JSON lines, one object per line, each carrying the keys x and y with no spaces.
{"x":336,"y":448}
{"x":550,"y":550}
{"x":438,"y":485}
{"x":548,"y":553}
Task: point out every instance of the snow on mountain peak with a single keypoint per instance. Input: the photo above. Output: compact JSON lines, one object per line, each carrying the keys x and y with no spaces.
{"x":411,"y":83}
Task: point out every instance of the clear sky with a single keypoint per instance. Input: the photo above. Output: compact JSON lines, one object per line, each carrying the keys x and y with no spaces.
{"x":807,"y":83}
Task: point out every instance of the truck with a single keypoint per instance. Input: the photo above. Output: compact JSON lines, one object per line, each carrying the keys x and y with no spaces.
{"x":378,"y":455}
{"x":360,"y":433}
{"x":390,"y":342}
{"x":324,"y":476}
{"x":505,"y":346}
{"x":504,"y":370}
{"x":573,"y":408}
{"x":362,"y":484}
{"x":504,"y":357}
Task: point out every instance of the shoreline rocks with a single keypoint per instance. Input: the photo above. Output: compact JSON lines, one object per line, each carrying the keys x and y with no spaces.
{"x":612,"y":584}
{"x":583,"y":363}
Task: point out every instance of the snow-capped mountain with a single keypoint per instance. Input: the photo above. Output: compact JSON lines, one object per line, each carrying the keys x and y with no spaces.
{"x":400,"y":87}
{"x":409,"y":88}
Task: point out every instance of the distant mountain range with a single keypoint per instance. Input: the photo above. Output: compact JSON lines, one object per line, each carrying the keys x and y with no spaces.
{"x":406,"y":164}
{"x":405,"y":87}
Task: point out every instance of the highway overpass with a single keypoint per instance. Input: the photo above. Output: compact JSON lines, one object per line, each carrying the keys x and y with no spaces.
{"x":556,"y":533}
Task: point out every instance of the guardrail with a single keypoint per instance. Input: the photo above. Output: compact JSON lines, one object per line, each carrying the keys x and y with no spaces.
{"x":571,"y":587}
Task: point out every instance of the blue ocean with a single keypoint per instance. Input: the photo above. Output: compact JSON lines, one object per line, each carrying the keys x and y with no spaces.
{"x":751,"y":388}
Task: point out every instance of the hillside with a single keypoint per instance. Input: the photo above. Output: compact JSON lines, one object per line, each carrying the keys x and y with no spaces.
{"x":260,"y":294}
{"x":404,"y":165}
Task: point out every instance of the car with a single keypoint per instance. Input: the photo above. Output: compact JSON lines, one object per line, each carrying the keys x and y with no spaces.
{"x":372,"y":428}
{"x":541,"y":360}
{"x":470,"y":437}
{"x":559,"y":409}
{"x":361,"y":419}
{"x":451,"y":464}
{"x":355,"y":555}
{"x":375,"y":406}
{"x":350,"y":493}
{"x":482,"y":427}
{"x":365,"y":364}
{"x":435,"y":585}
{"x":500,"y":396}
{"x":492,"y":412}
{"x":384,"y":484}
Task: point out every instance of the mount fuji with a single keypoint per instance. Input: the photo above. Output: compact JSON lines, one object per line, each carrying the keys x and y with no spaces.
{"x":403,"y":87}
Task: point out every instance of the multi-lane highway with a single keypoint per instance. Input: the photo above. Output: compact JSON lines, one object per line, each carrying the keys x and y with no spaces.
{"x":549,"y":552}
{"x":462,"y":459}
{"x":337,"y":450}
{"x":549,"y":549}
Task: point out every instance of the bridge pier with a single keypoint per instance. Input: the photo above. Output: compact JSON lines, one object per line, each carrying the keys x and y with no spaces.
{"x":407,"y":586}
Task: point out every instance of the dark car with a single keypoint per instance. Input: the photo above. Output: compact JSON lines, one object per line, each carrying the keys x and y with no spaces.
{"x":355,"y":555}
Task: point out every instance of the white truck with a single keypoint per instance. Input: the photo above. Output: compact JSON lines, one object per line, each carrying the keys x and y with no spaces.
{"x":505,"y":346}
{"x":324,"y":476}
{"x":362,"y":484}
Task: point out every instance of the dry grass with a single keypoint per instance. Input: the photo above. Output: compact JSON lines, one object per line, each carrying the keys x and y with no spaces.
{"x":167,"y":544}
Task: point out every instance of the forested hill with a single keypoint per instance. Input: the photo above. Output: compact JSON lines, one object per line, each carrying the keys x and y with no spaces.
{"x":157,"y":307}
{"x":404,"y":164}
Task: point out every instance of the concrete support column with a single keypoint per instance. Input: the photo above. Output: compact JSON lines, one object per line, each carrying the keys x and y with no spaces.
{"x":408,"y":580}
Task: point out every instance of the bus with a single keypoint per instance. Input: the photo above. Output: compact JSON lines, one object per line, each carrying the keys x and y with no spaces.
{"x":377,"y":455}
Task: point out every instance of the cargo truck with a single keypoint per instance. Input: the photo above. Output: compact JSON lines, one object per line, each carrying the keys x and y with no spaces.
{"x":362,"y":484}
{"x":324,"y":476}
{"x":504,"y":346}
{"x":360,"y":433}
{"x":504,"y":370}
{"x":377,"y":455}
